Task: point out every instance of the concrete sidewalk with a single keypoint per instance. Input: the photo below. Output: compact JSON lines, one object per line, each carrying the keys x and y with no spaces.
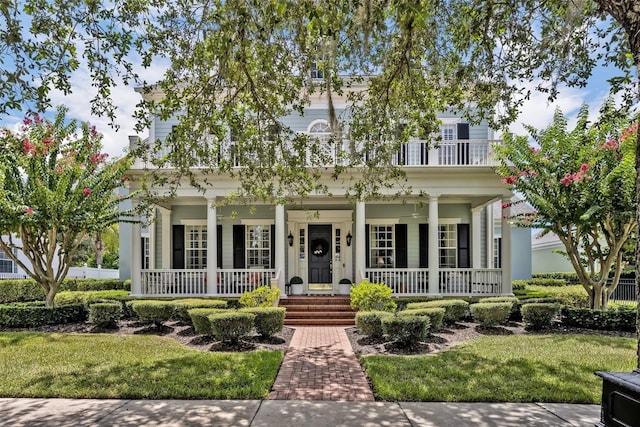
{"x":284,"y":413}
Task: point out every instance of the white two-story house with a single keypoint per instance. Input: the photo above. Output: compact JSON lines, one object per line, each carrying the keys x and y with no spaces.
{"x":437,"y":241}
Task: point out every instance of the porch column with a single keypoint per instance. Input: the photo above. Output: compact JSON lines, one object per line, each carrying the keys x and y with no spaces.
{"x":280,"y":249}
{"x":361,"y":247}
{"x":476,"y":238}
{"x":136,"y":255}
{"x":507,"y":287}
{"x":490,"y":236}
{"x":165,"y":224}
{"x":212,"y":248}
{"x":434,"y":262}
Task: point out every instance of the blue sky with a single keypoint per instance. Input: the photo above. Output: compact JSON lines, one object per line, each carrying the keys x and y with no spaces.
{"x":537,"y":111}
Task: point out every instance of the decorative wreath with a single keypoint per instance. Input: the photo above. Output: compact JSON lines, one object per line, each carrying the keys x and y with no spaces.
{"x":319,"y":247}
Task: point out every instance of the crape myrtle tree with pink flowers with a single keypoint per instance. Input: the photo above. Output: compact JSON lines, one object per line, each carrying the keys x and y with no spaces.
{"x":581,"y":183}
{"x":56,"y":187}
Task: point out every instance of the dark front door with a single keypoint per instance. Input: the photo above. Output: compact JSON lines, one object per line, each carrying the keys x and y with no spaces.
{"x":320,"y":277}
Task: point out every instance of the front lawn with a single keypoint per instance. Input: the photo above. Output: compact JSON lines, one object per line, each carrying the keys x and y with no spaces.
{"x":515,"y":368}
{"x":132,"y":366}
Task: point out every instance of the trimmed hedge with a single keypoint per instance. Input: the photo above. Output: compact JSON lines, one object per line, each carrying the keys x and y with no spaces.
{"x":570,"y":278}
{"x":620,"y":318}
{"x":89,"y":297}
{"x":23,"y":290}
{"x":491,"y":313}
{"x":200,"y":319}
{"x":269,"y":320}
{"x":455,"y":309}
{"x":232,"y":326}
{"x":538,"y":316}
{"x":153,"y":311}
{"x":367,"y":296}
{"x":184,"y":305}
{"x":23,"y":315}
{"x":406,"y":331}
{"x":105,"y":314}
{"x":369,"y":323}
{"x":435,"y":315}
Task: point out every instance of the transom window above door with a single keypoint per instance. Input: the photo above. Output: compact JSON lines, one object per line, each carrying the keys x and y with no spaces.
{"x":320,"y":126}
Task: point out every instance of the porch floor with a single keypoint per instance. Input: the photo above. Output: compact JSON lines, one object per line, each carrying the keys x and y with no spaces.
{"x":320,"y":365}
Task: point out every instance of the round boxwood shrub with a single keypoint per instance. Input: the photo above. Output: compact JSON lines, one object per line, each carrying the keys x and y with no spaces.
{"x":184,"y":305}
{"x":491,"y":313}
{"x":537,"y":316}
{"x":367,"y":296}
{"x":406,"y":331}
{"x":369,"y":323}
{"x":269,"y":320}
{"x":200,"y":319}
{"x":105,"y":314}
{"x":454,"y":309}
{"x":152,"y":311}
{"x":263,"y":296}
{"x":435,"y":315}
{"x":232,"y":326}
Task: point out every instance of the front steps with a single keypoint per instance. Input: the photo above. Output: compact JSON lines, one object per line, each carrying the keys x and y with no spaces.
{"x":318,"y":311}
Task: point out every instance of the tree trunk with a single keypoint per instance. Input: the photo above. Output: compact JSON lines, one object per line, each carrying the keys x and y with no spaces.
{"x":49,"y":297}
{"x":596,"y":303}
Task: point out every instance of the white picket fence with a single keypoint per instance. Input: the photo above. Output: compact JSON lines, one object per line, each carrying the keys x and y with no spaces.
{"x":85,"y":272}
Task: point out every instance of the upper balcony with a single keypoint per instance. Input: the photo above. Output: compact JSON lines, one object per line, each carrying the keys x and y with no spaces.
{"x":412,"y":154}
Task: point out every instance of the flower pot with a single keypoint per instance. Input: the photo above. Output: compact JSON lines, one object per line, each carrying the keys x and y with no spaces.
{"x":344,"y":288}
{"x":297,"y":288}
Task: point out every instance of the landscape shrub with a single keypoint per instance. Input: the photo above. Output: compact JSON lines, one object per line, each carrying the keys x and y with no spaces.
{"x":269,"y":320}
{"x":515,"y":307}
{"x":82,"y":284}
{"x":231,"y":326}
{"x":200,"y":319}
{"x":31,"y":315}
{"x":546,"y":282}
{"x":153,"y":311}
{"x":105,"y":314}
{"x":406,"y":331}
{"x":491,"y":313}
{"x":570,"y":295}
{"x":620,"y":318}
{"x":369,"y":323}
{"x":20,"y":290}
{"x":367,"y":296}
{"x":435,"y":315}
{"x":570,"y":278}
{"x":263,"y":296}
{"x":184,"y":305}
{"x":454,"y":309}
{"x":89,"y":297}
{"x":537,"y":316}
{"x":518,"y":285}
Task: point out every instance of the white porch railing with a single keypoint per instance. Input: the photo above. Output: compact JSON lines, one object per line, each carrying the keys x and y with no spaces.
{"x":235,"y":282}
{"x":451,"y":281}
{"x":180,"y":283}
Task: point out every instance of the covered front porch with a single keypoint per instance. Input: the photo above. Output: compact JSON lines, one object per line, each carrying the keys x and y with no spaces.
{"x":194,"y":248}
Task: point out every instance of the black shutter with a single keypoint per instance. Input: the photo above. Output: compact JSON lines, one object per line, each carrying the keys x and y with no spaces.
{"x":463,"y":246}
{"x":178,"y":247}
{"x":219,"y":244}
{"x":367,"y":245}
{"x":463,"y":147}
{"x":499,"y":249}
{"x":423,"y":250}
{"x":401,"y":246}
{"x":142,"y":257}
{"x":273,"y":246}
{"x":238,"y":246}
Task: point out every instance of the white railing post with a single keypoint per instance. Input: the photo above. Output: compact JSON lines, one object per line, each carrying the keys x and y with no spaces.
{"x":360,"y":238}
{"x":211,"y":276}
{"x":280,"y":248}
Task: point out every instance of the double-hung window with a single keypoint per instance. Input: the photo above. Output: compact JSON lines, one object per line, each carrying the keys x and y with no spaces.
{"x":382,"y":248}
{"x":258,"y":246}
{"x":447,"y":245}
{"x":6,"y":264}
{"x":196,"y":246}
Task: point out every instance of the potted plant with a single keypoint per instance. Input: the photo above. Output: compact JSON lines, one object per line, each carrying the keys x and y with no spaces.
{"x":344,"y":286}
{"x":296,"y":285}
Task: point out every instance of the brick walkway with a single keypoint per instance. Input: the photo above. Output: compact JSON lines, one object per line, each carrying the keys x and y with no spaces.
{"x":320,"y":365}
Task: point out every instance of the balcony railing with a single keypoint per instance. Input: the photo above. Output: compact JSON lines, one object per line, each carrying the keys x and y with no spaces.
{"x":415,"y":153}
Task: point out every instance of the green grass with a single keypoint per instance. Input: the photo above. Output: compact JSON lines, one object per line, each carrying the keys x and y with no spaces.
{"x":518,"y":368}
{"x":117,"y":366}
